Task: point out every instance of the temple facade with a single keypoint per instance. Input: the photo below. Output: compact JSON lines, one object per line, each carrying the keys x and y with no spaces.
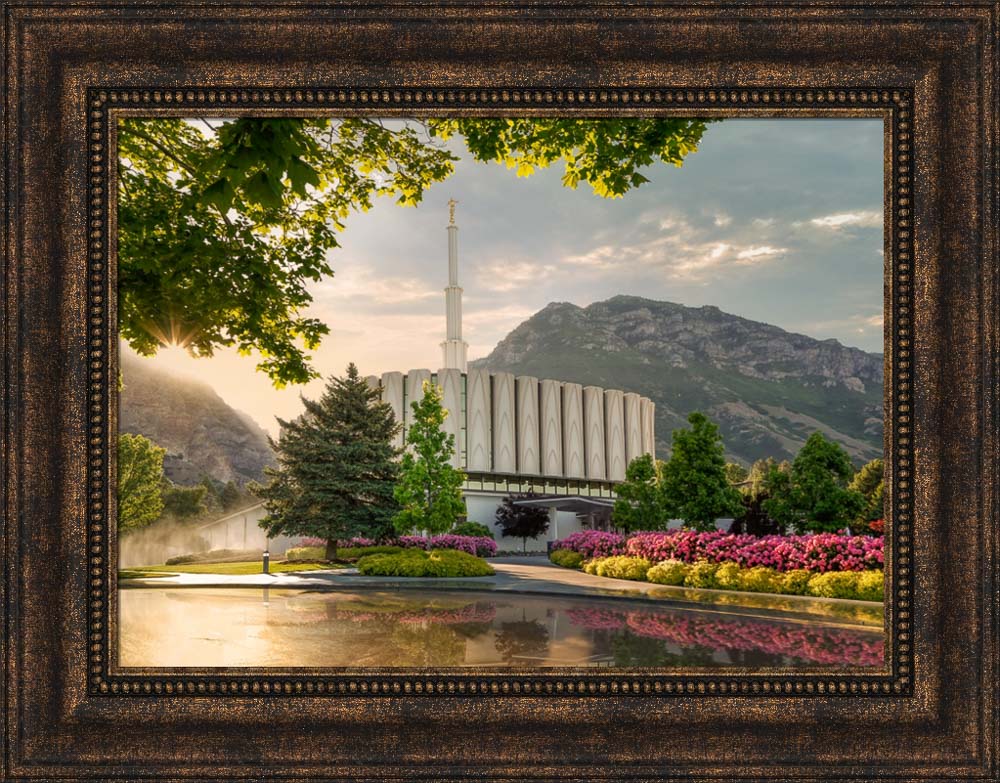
{"x":566,"y":443}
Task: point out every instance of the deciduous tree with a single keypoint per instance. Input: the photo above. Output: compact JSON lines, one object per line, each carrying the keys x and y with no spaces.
{"x":429,"y":491}
{"x":522,"y":522}
{"x":815,"y":496}
{"x":223,"y":226}
{"x":140,"y":473}
{"x":693,"y":481}
{"x":640,"y":502}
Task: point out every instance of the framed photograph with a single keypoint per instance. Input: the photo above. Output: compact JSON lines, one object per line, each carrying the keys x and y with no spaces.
{"x":510,"y":392}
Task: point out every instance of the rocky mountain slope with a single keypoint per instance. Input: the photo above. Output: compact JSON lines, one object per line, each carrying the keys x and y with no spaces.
{"x":768,"y":389}
{"x":201,"y":433}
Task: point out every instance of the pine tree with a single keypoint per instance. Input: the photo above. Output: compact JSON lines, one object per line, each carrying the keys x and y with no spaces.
{"x":640,"y":504}
{"x":337,"y":467}
{"x":693,"y":481}
{"x":429,"y":491}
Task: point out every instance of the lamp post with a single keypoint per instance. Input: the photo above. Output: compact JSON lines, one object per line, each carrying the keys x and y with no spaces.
{"x":266,"y":566}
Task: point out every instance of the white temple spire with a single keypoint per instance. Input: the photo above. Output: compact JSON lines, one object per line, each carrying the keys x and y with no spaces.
{"x":454,"y":348}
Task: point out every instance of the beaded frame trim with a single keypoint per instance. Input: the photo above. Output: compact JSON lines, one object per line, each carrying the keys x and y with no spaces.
{"x":894,"y":105}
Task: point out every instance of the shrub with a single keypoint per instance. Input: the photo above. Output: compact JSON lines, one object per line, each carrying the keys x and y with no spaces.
{"x":623,"y":567}
{"x":815,"y":552}
{"x":566,"y":558}
{"x":727,"y":577}
{"x":356,"y":552}
{"x":590,"y":566}
{"x":669,"y":572}
{"x":863,"y":586}
{"x":306,"y":553}
{"x":702,"y":574}
{"x":593,"y":543}
{"x":418,"y":562}
{"x":759,"y":579}
{"x":481,"y":546}
{"x":871,"y":586}
{"x":795,"y":582}
{"x":476,"y":529}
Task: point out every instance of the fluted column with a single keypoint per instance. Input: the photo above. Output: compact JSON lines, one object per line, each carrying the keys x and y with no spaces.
{"x":595,"y":451}
{"x":504,"y":438}
{"x":479,"y":450}
{"x":450,"y":381}
{"x":572,"y":428}
{"x":392,"y":393}
{"x":550,"y":431}
{"x":633,"y":426}
{"x":614,"y":433}
{"x":528,"y":462}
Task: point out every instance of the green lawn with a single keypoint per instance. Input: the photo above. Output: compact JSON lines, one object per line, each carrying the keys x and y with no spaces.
{"x":239,"y":569}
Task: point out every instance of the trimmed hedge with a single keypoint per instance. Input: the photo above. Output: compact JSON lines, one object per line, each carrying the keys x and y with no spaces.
{"x":419,"y":562}
{"x":566,"y":558}
{"x":855,"y":585}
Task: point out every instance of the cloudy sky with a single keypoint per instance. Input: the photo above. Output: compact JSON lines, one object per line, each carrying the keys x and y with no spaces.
{"x":774,"y":220}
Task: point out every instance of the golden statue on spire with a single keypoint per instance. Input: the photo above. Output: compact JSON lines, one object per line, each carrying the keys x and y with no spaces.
{"x":451,"y":211}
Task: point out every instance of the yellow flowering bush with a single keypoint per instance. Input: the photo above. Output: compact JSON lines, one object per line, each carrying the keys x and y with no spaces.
{"x":669,"y":572}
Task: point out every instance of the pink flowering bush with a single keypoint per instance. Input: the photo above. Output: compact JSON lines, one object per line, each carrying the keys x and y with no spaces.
{"x":593,"y":543}
{"x":480,"y":546}
{"x":346,"y":543}
{"x":818,"y":552}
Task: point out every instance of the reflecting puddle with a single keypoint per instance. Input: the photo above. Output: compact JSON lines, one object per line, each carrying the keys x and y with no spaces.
{"x":209,"y":627}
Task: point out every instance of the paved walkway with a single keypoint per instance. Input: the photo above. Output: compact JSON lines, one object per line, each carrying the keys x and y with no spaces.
{"x":535,"y":575}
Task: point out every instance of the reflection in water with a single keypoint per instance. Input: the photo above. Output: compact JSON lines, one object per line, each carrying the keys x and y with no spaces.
{"x":209,"y":627}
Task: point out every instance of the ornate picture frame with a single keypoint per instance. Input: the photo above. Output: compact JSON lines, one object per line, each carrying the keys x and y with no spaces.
{"x":929,"y":71}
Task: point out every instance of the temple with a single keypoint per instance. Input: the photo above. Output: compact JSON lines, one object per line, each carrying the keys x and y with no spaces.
{"x":565,"y":443}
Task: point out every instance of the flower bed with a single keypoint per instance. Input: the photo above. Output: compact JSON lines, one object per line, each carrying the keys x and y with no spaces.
{"x":704,"y":574}
{"x":480,"y":546}
{"x":816,"y":553}
{"x":593,"y":543}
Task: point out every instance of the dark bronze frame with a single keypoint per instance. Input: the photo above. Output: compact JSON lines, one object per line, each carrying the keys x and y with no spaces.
{"x":930,"y":70}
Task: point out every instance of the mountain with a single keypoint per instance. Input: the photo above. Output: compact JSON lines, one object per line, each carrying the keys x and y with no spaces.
{"x":768,"y":389}
{"x":201,"y":433}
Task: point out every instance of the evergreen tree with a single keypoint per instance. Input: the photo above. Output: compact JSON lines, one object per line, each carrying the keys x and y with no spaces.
{"x":640,"y":503}
{"x":336,"y":467}
{"x":140,"y":472}
{"x":183,"y":503}
{"x":693,"y":481}
{"x":229,"y":496}
{"x":522,"y":522}
{"x":816,"y":497}
{"x":869,"y":483}
{"x":429,"y":491}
